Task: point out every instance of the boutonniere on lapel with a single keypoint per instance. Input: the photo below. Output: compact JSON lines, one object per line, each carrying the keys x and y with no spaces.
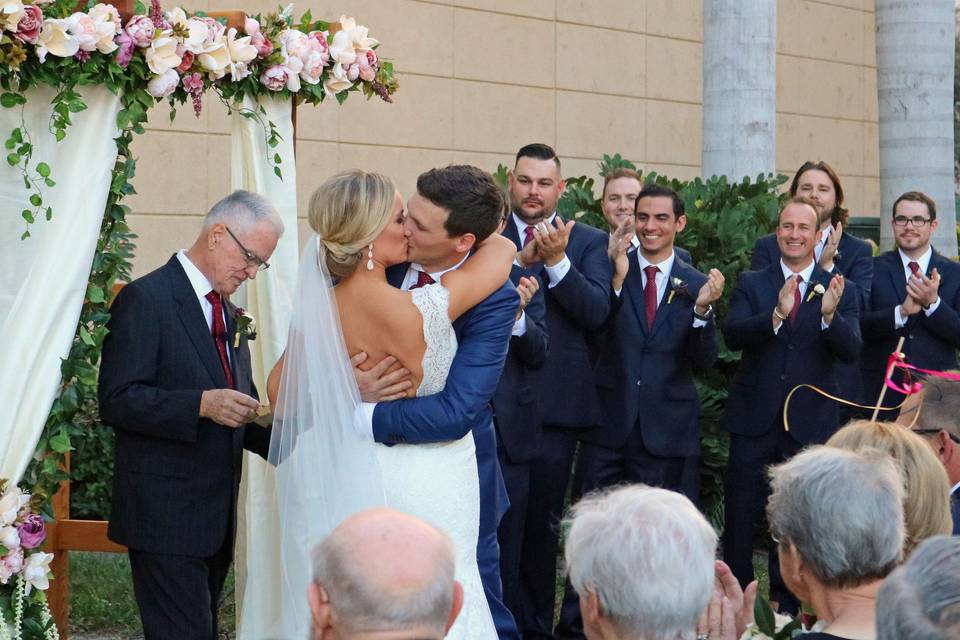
{"x":246,"y":326}
{"x":678,"y":287}
{"x":815,"y":290}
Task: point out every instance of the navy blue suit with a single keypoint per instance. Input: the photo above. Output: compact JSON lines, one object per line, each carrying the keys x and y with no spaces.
{"x":517,"y":421}
{"x":176,"y":475}
{"x":931,"y":341}
{"x":577,"y":306}
{"x":483,"y":334}
{"x":854,"y":261}
{"x":955,"y":512}
{"x":772,"y":365}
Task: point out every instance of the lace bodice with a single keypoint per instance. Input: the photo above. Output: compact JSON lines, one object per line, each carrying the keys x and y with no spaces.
{"x":433,"y":301}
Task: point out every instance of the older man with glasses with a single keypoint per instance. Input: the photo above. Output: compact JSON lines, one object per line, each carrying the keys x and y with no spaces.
{"x":915,"y":296}
{"x":176,"y":386}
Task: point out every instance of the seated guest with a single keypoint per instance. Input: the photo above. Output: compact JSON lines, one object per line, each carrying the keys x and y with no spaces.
{"x":915,"y":296}
{"x":920,"y":600}
{"x":837,"y":518}
{"x":384,"y":574}
{"x":927,"y":509}
{"x":935,"y":414}
{"x":641,"y":560}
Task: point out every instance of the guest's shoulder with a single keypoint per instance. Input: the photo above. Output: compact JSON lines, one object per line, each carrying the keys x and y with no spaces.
{"x":766,"y":242}
{"x":851,"y":244}
{"x":587,"y":233}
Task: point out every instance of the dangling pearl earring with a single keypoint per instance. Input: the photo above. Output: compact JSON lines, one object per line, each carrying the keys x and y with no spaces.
{"x":370,"y":257}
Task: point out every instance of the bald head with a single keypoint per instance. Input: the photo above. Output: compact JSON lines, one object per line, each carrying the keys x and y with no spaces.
{"x":383,"y":570}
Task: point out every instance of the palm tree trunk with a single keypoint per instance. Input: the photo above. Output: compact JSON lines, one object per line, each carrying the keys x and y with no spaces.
{"x":739,"y":87}
{"x":915,"y":57}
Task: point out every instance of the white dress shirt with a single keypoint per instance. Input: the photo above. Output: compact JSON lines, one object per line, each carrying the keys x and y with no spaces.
{"x":661,"y":280}
{"x":557,"y":271}
{"x":899,"y":320}
{"x":806,"y":273}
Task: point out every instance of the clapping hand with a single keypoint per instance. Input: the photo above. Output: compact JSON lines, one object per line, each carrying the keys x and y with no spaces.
{"x":831,"y":298}
{"x":710,"y":292}
{"x":378,"y":386}
{"x":785,"y":301}
{"x":527,"y":288}
{"x":617,"y":247}
{"x":923,"y":289}
{"x":552,"y":240}
{"x":730,"y":610}
{"x":830,"y":248}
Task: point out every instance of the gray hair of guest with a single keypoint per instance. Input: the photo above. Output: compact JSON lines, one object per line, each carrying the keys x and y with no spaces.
{"x":242,"y":211}
{"x":362,"y":603}
{"x":842,"y":511}
{"x":920,"y":600}
{"x":940,"y":408}
{"x":648,"y":554}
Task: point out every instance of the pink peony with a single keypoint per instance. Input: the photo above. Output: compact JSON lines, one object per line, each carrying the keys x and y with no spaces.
{"x":125,"y":49}
{"x":368,"y":64}
{"x":161,"y":86}
{"x":186,"y":60}
{"x":32,"y":531}
{"x":274,"y":78}
{"x":28,"y":29}
{"x":264,"y":46}
{"x":141,"y":31}
{"x":320,"y":37}
{"x":14,"y":561}
{"x":353,"y":72}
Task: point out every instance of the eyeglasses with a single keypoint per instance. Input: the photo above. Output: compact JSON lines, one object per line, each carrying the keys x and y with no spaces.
{"x":916,"y":221}
{"x":253,"y":260}
{"x":930,"y":432}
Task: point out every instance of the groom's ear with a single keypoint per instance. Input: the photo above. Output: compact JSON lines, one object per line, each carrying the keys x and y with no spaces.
{"x":466,"y":242}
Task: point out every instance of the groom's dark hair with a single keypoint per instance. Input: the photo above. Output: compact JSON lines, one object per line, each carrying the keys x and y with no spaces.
{"x":475,"y":201}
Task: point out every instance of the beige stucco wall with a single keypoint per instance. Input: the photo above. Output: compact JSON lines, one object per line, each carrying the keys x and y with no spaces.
{"x":480,"y":78}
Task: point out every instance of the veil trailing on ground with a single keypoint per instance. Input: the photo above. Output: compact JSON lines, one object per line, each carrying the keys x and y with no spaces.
{"x":326,"y":471}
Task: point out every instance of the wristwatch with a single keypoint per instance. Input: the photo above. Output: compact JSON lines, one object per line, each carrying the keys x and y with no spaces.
{"x":706,"y":317}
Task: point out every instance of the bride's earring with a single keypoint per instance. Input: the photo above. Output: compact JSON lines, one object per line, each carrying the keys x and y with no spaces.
{"x":370,"y":257}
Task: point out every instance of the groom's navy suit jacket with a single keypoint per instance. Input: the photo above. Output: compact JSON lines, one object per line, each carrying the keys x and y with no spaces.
{"x":175,"y":475}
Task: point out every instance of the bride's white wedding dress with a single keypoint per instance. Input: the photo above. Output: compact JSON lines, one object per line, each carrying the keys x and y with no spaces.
{"x":439,"y":482}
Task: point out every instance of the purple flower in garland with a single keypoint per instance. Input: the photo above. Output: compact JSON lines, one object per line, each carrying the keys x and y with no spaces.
{"x":32,"y":531}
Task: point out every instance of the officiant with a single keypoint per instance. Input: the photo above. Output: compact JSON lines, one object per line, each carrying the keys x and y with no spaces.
{"x":176,"y":386}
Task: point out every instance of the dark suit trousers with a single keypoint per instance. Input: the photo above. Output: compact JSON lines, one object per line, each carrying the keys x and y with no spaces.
{"x":549,"y":479}
{"x":178,"y":596}
{"x":747,"y":490}
{"x":510,"y":534}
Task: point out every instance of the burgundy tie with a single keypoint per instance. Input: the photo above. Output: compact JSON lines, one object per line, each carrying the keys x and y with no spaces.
{"x":650,"y":293}
{"x":219,"y":330}
{"x":527,"y":235}
{"x":914,"y":267}
{"x":423,"y":279}
{"x":797,"y":299}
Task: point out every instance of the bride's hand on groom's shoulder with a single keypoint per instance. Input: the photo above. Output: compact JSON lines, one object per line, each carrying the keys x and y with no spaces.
{"x":375,"y":384}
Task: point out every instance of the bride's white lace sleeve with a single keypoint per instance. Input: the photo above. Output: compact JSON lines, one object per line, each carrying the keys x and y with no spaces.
{"x":433,"y":301}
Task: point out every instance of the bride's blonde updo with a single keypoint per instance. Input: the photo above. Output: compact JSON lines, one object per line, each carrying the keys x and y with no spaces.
{"x":348,"y":211}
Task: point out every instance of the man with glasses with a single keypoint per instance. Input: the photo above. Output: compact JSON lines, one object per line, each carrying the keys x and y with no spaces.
{"x":176,"y":386}
{"x":916,"y":296}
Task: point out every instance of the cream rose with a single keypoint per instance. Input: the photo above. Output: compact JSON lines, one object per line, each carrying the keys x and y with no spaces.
{"x":10,"y":13}
{"x":241,"y":52}
{"x":55,"y":38}
{"x":162,"y":54}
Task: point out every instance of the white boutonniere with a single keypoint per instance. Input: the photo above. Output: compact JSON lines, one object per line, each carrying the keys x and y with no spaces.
{"x":246,"y":326}
{"x":677,"y":286}
{"x":816,"y":290}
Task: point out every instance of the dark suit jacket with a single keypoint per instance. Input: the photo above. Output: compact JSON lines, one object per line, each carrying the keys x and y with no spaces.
{"x":576,"y":307}
{"x":515,"y":413}
{"x":463,"y":406}
{"x":176,"y":475}
{"x":645,"y":377}
{"x":773,"y":364}
{"x":854,"y":261}
{"x":955,"y":512}
{"x":931,"y":342}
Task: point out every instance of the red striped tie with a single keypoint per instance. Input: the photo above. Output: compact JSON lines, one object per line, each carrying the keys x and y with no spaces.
{"x":219,"y":330}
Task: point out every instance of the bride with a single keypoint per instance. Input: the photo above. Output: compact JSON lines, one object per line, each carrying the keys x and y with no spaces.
{"x":326,"y":469}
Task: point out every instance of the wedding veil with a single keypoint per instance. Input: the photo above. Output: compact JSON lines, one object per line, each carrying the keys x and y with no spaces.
{"x":326,"y":471}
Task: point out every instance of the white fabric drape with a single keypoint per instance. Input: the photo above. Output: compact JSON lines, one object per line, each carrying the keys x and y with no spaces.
{"x":43,"y":279}
{"x":268,"y":299}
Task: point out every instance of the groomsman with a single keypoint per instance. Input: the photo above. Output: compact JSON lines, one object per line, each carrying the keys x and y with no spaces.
{"x":517,"y":422}
{"x":915,"y":296}
{"x":571,"y":260}
{"x":794,"y":323}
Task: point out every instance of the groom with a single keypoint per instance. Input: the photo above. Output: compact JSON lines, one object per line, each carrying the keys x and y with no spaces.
{"x":454,"y":204}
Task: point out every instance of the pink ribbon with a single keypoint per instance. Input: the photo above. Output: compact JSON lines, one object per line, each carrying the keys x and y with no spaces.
{"x":909,"y":386}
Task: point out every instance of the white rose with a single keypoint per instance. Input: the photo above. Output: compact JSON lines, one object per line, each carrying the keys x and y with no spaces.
{"x":337,"y":81}
{"x":241,"y":52}
{"x":84,"y":30}
{"x":177,"y":17}
{"x":164,"y":84}
{"x":12,"y":501}
{"x":357,"y":34}
{"x":36,"y":569}
{"x":106,"y":20}
{"x":162,"y":54}
{"x":10,"y":13}
{"x":215,"y":60}
{"x":10,"y":537}
{"x":341,"y":49}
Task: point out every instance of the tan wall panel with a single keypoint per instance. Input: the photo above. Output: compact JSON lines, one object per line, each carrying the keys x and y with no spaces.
{"x":838,"y":142}
{"x":807,"y":86}
{"x":871,"y":103}
{"x":321,"y":122}
{"x":674,"y":70}
{"x":535,"y":8}
{"x":674,"y":133}
{"x":502,"y":48}
{"x":870,"y":205}
{"x":501,"y":118}
{"x":425,"y":121}
{"x":316,"y":161}
{"x":622,"y":75}
{"x":171,"y":173}
{"x":403,"y":165}
{"x":589,"y":125}
{"x":486,"y":161}
{"x":161,"y":236}
{"x":218,"y":170}
{"x":822,"y":31}
{"x":623,"y":15}
{"x":675,"y":18}
{"x":418,"y":35}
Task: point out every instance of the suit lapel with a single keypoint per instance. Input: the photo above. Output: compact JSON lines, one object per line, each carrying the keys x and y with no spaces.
{"x":396,"y":274}
{"x":810,"y":311}
{"x":510,"y":231}
{"x":898,"y":278}
{"x":194,"y":323}
{"x":230,"y":312}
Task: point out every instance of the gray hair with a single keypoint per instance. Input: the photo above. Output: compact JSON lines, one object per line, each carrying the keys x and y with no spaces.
{"x":648,"y":554}
{"x":243,"y":211}
{"x":921,"y":599}
{"x":940,"y":408}
{"x":364,"y":603}
{"x":842,"y":511}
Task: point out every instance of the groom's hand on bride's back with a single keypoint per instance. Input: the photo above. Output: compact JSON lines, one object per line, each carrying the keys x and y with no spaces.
{"x":228,"y":407}
{"x":375,"y":384}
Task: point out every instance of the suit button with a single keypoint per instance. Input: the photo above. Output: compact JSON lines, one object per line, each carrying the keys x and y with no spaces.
{"x":910,"y":336}
{"x":790,"y":346}
{"x":783,"y":377}
{"x":639,"y":382}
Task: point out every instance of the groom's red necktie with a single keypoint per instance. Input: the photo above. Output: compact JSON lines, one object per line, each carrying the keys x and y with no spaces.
{"x":423,"y":279}
{"x":219,"y":330}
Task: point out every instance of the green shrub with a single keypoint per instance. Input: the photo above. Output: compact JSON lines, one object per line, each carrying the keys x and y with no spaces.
{"x":91,"y":465}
